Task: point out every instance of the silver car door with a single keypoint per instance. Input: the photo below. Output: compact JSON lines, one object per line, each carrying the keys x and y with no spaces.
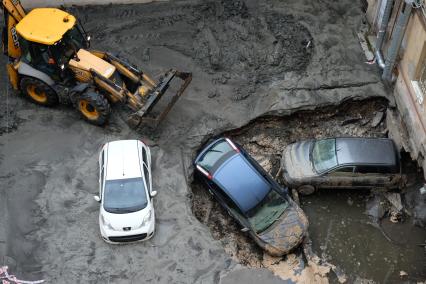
{"x":342,"y":177}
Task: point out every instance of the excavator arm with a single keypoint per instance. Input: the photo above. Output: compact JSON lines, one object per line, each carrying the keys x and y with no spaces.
{"x":13,"y":13}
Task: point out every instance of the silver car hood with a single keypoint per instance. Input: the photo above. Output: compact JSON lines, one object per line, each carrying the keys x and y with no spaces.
{"x":296,"y":162}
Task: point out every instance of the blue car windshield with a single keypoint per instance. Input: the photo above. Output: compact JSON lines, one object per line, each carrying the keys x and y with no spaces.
{"x":124,"y":195}
{"x":264,"y":214}
{"x":208,"y":160}
{"x":324,"y":155}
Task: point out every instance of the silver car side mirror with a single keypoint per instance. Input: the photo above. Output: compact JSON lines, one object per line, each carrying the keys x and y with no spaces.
{"x":97,"y":198}
{"x":245,"y":229}
{"x":153,"y":193}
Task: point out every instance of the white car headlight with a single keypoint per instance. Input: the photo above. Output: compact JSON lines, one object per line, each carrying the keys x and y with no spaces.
{"x":106,"y":223}
{"x":147,"y":218}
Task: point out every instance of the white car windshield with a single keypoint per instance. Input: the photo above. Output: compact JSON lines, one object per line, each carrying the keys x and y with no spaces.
{"x":125,"y":195}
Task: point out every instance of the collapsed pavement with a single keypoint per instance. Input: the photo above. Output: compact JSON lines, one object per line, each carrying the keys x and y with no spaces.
{"x":369,"y":212}
{"x":49,"y":156}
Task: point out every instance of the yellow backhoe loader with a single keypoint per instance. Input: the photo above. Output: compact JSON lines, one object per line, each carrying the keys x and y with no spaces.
{"x":51,"y":62}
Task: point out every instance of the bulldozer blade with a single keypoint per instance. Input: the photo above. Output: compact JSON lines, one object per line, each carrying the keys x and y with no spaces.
{"x":142,"y":117}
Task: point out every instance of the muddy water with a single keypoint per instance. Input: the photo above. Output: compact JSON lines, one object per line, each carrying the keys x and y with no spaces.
{"x":343,"y":233}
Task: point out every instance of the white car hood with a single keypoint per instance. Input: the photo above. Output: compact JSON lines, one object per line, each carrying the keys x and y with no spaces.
{"x":119,"y":221}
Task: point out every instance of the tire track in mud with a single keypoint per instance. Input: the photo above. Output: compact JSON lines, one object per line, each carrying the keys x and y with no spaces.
{"x":253,"y":47}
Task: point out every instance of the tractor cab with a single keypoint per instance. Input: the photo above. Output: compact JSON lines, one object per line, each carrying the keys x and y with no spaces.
{"x":49,"y":39}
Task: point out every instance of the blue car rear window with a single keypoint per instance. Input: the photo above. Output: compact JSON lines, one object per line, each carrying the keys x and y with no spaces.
{"x":208,"y":160}
{"x":242,"y":183}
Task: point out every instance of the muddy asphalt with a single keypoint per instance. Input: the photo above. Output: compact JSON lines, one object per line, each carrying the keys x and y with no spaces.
{"x":249,"y":59}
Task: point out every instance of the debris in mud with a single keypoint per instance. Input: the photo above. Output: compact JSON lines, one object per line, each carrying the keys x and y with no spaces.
{"x":214,"y":93}
{"x":9,"y":278}
{"x":146,"y":55}
{"x":377,"y":119}
{"x":8,"y":120}
{"x":234,"y":40}
{"x":265,"y":139}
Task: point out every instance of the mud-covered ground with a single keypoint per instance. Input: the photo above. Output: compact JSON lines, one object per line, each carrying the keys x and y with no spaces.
{"x":249,"y":59}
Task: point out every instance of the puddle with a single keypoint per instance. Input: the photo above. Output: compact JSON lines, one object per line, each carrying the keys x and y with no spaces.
{"x":345,"y":236}
{"x":342,"y":233}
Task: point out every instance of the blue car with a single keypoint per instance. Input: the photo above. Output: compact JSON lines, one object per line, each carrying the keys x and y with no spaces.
{"x":251,"y":196}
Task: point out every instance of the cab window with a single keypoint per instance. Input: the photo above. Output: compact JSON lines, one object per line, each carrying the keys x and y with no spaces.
{"x":42,"y":59}
{"x":26,"y":54}
{"x":213,"y":155}
{"x":75,"y":37}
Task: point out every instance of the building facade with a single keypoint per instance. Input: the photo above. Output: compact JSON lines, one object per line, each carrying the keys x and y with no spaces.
{"x":403,"y":26}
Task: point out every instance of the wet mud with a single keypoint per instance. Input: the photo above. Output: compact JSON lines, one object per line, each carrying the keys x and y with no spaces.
{"x":349,"y":229}
{"x":249,"y":59}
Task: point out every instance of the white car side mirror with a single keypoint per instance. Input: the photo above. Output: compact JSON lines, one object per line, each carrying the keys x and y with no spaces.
{"x":97,"y":198}
{"x":153,"y":193}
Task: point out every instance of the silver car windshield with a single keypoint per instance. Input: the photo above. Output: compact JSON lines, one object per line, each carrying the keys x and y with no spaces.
{"x":125,"y":195}
{"x":324,"y":155}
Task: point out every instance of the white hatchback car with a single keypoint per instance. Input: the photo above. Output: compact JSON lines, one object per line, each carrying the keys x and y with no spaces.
{"x":125,"y":187}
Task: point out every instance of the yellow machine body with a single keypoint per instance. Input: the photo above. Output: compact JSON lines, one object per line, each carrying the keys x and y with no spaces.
{"x":86,"y":62}
{"x":45,"y":25}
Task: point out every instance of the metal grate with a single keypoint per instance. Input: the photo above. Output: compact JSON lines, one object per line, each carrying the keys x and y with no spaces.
{"x":125,"y":239}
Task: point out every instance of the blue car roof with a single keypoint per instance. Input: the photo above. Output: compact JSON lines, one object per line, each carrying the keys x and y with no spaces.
{"x":242,"y":182}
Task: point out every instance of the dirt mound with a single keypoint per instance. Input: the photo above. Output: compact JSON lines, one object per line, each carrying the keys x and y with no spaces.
{"x":232,"y":39}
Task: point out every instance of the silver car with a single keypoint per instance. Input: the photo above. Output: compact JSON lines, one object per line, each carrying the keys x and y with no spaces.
{"x":342,"y":163}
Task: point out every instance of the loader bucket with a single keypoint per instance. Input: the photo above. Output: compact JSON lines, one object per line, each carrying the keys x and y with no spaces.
{"x":143,"y":117}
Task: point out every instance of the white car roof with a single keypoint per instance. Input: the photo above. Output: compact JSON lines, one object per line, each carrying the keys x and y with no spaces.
{"x":123,"y":160}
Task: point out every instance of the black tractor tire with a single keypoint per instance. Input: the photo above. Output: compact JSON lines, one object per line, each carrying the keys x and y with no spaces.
{"x":38,"y":92}
{"x":94,"y":107}
{"x":306,"y":189}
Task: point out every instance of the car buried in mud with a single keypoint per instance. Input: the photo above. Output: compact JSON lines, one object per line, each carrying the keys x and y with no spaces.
{"x":350,"y":162}
{"x":125,"y":192}
{"x":251,"y":196}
